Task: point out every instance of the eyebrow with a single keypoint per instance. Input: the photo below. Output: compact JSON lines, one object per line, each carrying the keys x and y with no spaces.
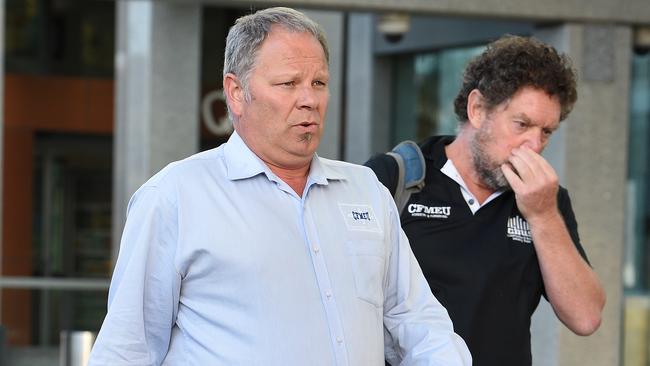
{"x":529,"y":120}
{"x":292,"y":74}
{"x":524,"y":117}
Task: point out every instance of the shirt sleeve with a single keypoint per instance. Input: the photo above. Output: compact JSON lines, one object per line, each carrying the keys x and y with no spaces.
{"x":564,"y":204}
{"x":418,"y":330}
{"x":144,"y":291}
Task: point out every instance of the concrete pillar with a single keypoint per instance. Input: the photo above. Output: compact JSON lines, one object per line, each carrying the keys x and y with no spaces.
{"x":359,"y":86}
{"x":334,"y":23}
{"x":2,"y":69}
{"x":157,"y":94}
{"x":368,"y":92}
{"x":590,"y":154}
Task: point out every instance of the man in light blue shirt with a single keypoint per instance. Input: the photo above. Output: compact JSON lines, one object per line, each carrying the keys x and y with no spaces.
{"x":259,"y":252}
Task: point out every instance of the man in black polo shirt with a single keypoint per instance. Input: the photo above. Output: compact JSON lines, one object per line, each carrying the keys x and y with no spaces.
{"x":492,"y":229}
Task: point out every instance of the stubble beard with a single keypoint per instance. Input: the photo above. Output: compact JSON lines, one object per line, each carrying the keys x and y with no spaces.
{"x":306,"y":137}
{"x":488,"y":170}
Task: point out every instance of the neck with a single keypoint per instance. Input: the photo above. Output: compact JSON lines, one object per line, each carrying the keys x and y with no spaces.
{"x":296,"y":178}
{"x":460,"y":153}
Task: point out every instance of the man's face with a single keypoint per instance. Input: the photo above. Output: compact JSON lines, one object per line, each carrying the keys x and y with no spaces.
{"x":528,"y":118}
{"x":284,"y":120}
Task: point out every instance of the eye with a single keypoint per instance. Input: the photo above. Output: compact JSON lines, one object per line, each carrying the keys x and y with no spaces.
{"x":319,"y":83}
{"x":288,"y":83}
{"x":521,"y":125}
{"x":547,"y":132}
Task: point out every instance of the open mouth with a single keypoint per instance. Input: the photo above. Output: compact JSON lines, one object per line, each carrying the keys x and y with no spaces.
{"x":307,"y":126}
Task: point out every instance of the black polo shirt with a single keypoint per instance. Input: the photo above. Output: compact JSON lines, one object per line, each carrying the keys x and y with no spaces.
{"x":482,"y":267}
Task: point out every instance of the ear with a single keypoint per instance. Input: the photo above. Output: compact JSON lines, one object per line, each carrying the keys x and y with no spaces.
{"x":234,"y":93}
{"x":476,"y":112}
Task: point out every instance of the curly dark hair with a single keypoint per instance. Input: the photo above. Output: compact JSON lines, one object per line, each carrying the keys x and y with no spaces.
{"x":513,"y":62}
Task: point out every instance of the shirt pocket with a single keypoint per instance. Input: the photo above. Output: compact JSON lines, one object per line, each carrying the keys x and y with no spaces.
{"x":367,"y":259}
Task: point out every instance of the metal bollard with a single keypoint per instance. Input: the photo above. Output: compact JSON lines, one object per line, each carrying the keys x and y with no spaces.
{"x":75,"y":347}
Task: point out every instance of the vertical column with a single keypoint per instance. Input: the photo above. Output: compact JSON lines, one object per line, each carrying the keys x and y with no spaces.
{"x":359,"y":86}
{"x":591,"y":152}
{"x":2,"y":122}
{"x":157,"y":94}
{"x":333,"y":24}
{"x":368,"y":92}
{"x":545,"y":327}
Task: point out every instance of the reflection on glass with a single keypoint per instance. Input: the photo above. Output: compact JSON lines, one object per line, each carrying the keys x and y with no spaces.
{"x":426,"y":85}
{"x":63,"y":37}
{"x":32,"y":334}
{"x":72,"y":206}
{"x":636,"y":267}
{"x":70,"y":247}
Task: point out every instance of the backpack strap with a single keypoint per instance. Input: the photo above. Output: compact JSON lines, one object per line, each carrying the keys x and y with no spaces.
{"x":411,"y":171}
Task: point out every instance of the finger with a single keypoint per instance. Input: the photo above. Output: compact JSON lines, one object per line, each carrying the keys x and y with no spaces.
{"x":521,"y":165}
{"x":516,"y":183}
{"x":535,"y":161}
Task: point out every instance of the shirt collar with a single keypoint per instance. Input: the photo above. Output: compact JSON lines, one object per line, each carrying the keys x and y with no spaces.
{"x":241,"y":163}
{"x":449,"y":169}
{"x":322,"y":171}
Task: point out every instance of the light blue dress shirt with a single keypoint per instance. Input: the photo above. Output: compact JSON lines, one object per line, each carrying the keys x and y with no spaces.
{"x":222,"y":263}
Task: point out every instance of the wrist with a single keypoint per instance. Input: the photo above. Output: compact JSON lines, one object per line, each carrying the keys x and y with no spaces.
{"x":544,"y":217}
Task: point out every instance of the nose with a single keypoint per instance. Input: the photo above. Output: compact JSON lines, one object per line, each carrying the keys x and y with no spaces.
{"x":535,"y":141}
{"x":307,"y":98}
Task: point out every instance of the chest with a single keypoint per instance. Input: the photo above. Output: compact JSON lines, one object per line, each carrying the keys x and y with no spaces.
{"x":276,"y":238}
{"x":447,"y":238}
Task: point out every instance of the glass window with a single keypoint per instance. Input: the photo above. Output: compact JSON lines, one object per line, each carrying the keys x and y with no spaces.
{"x":63,"y":37}
{"x":636,"y":268}
{"x":59,"y":282}
{"x":72,"y":206}
{"x":426,"y":85}
{"x":40,"y":316}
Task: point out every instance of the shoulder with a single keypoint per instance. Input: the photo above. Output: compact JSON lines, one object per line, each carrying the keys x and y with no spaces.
{"x":348,"y":170}
{"x":187,"y":168}
{"x":359,"y":176}
{"x":357,"y":183}
{"x":381,"y":162}
{"x":433,"y":148}
{"x":182,"y":172}
{"x":385,"y":168}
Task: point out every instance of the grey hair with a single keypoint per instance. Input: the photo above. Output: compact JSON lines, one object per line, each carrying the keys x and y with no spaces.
{"x":249,"y":32}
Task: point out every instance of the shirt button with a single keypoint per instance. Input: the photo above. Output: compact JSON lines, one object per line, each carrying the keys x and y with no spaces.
{"x":339,"y":339}
{"x":471,"y":201}
{"x":328,"y":293}
{"x":316,"y":248}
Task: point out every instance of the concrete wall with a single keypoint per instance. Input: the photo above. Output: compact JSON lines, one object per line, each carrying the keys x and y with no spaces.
{"x":157,"y":94}
{"x":2,"y":47}
{"x":590,"y":155}
{"x":596,"y":161}
{"x":626,"y":11}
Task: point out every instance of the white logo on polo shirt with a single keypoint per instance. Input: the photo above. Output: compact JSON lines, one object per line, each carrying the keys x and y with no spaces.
{"x":518,"y":230}
{"x":429,"y":212}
